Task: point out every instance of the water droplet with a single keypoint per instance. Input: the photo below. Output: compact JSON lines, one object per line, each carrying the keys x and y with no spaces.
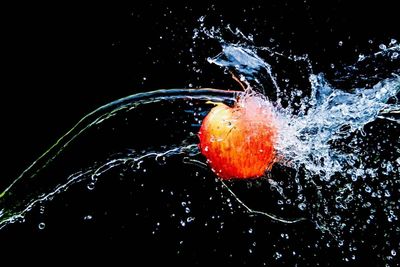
{"x":337,"y":218}
{"x":382,"y":46}
{"x":88,"y":217}
{"x":340,"y":43}
{"x":302,"y":206}
{"x":277,"y":255}
{"x":393,"y":252}
{"x":91,"y":186}
{"x":42,"y":225}
{"x":41,"y":210}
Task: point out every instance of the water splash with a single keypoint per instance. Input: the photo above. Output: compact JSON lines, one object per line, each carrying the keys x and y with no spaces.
{"x":343,"y":143}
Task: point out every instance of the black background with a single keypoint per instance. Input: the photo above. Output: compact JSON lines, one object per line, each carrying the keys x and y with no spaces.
{"x":61,"y":61}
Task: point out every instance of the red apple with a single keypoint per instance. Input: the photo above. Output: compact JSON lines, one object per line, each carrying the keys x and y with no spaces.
{"x":238,"y":141}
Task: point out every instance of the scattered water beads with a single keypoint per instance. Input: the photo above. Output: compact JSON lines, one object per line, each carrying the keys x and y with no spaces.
{"x":343,"y":143}
{"x":328,"y":144}
{"x":338,"y":148}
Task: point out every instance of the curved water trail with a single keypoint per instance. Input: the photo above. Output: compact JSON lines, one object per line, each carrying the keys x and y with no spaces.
{"x":111,"y":109}
{"x":14,"y":203}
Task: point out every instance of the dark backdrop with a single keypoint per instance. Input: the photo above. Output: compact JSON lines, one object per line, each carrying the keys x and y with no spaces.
{"x":61,"y":61}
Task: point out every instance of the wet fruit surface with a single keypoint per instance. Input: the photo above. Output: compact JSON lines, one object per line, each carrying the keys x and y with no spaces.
{"x":238,"y":141}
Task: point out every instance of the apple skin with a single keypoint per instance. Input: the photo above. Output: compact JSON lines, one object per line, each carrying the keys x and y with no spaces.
{"x":238,"y":141}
